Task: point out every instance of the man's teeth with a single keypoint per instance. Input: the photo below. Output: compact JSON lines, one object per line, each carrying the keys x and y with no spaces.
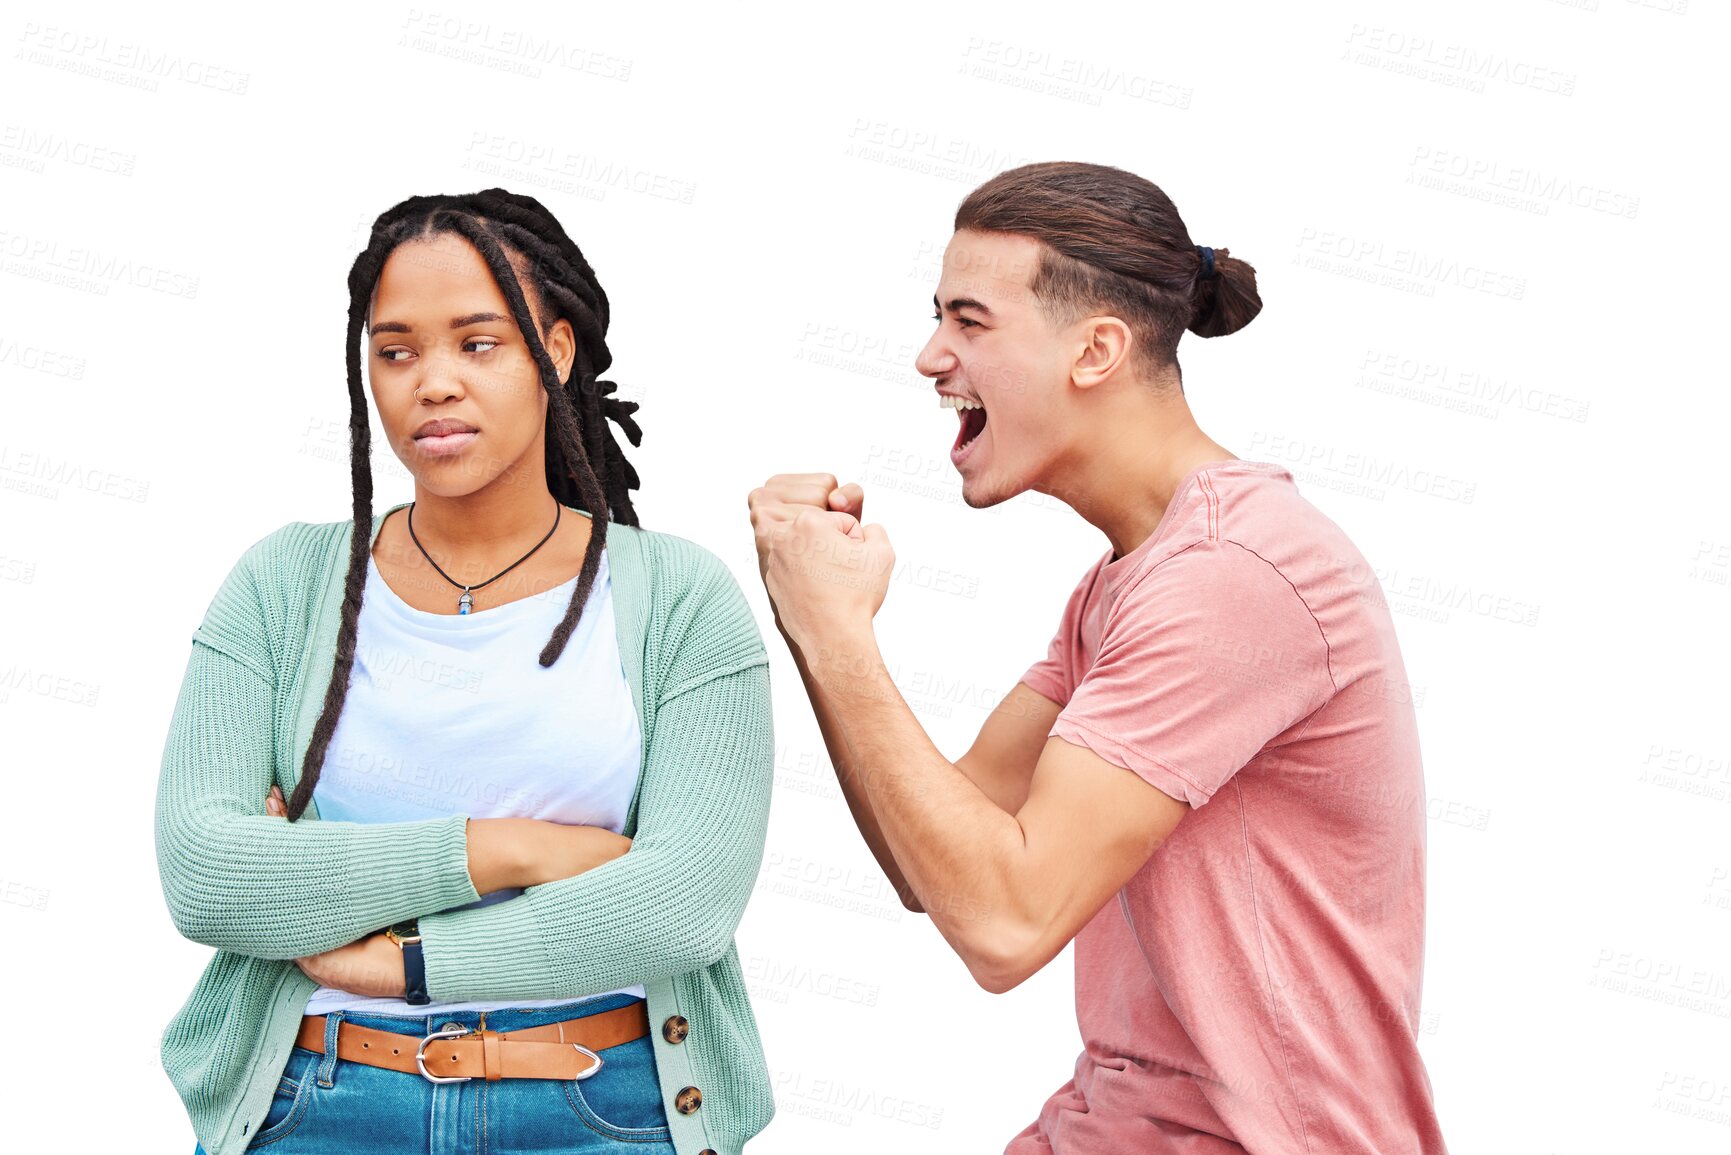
{"x":948,"y":401}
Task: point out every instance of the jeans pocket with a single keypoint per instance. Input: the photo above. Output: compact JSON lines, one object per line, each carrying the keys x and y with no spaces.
{"x":288,"y":1107}
{"x":623,"y":1099}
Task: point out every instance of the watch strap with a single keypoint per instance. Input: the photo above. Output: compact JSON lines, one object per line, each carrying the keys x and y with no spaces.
{"x":407,"y":935}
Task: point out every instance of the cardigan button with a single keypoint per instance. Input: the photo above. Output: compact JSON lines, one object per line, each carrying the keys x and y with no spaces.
{"x":688,"y":1100}
{"x":676,"y":1028}
{"x":707,"y":1151}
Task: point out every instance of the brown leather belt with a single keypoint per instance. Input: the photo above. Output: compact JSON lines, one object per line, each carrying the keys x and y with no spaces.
{"x":562,"y":1050}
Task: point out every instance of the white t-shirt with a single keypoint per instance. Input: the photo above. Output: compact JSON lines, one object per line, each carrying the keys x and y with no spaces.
{"x":453,"y":713}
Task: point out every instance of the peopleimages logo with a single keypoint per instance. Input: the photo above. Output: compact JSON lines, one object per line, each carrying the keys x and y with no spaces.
{"x":1462,"y":387}
{"x":1067,"y":77}
{"x":1522,"y":186}
{"x":1453,"y":65}
{"x":1398,"y":266}
{"x":89,"y":269}
{"x":123,"y":61}
{"x":1363,"y":468}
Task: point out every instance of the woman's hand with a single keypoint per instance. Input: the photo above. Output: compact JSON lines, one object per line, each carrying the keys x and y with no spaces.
{"x":371,"y":967}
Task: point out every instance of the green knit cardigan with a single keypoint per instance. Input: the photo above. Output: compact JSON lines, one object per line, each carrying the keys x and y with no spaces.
{"x":264,"y":891}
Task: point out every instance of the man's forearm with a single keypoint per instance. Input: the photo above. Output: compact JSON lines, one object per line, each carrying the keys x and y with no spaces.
{"x":956,"y":849}
{"x":857,"y":801}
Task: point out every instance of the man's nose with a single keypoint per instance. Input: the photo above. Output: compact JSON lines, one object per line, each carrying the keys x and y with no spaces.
{"x":935,"y":359}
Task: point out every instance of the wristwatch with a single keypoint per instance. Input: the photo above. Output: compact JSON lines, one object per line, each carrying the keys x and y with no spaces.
{"x":407,"y":935}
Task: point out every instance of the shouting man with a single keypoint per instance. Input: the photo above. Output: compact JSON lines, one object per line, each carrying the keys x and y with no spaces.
{"x":1211,"y":783}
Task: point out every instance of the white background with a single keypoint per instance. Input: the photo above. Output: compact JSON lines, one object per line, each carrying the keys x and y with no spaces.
{"x":1488,"y":238}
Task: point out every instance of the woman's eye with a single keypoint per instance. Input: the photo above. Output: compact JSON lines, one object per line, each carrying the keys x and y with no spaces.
{"x":488,"y":344}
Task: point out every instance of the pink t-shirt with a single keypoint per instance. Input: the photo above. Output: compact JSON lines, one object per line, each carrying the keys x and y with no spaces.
{"x":1255,"y":986}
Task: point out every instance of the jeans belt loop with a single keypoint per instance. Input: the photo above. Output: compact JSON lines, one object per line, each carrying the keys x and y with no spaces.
{"x":328,"y":1065}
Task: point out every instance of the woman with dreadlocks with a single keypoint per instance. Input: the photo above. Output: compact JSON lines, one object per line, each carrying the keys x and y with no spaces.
{"x":526,"y":746}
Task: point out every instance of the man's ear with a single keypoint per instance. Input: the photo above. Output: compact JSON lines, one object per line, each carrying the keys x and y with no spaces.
{"x":1103,"y":346}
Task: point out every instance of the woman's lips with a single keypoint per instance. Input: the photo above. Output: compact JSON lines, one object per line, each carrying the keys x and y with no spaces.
{"x":445,"y":446}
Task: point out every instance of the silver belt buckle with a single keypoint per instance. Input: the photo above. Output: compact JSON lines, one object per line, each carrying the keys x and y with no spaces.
{"x":421,"y":1056}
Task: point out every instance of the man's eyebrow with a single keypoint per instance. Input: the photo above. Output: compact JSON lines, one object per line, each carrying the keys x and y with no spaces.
{"x":456,"y":322}
{"x":958,"y":303}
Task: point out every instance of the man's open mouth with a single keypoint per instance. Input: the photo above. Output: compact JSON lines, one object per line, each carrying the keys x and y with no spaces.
{"x":972,"y":416}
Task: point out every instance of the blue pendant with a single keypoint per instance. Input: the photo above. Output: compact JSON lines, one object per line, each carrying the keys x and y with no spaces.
{"x":464,"y":602}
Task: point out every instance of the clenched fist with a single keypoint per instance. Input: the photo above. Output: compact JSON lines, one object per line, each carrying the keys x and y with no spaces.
{"x":826,"y":573}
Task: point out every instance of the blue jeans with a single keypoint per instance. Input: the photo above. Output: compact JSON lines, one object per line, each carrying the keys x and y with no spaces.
{"x":334,"y":1106}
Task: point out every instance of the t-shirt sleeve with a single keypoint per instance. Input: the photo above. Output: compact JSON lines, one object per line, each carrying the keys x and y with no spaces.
{"x":1206,"y":659}
{"x":1055,"y":675}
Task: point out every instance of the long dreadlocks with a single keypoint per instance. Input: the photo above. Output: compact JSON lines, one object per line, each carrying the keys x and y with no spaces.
{"x":501,"y":225}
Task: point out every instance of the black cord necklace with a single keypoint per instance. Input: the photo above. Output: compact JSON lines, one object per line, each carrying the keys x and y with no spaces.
{"x":464,"y":602}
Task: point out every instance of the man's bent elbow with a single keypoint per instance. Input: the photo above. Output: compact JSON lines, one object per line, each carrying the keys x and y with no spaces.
{"x":1000,"y":959}
{"x":998,"y":982}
